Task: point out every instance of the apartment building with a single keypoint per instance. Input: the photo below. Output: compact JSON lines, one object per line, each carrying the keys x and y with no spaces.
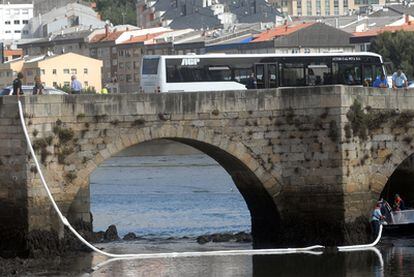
{"x":324,"y":7}
{"x":8,"y":71}
{"x":55,"y":70}
{"x":14,"y":19}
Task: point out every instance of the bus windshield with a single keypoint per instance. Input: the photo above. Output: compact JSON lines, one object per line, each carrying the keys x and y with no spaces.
{"x":150,"y":66}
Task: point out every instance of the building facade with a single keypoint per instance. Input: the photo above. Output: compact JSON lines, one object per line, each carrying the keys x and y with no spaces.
{"x":323,"y":7}
{"x":54,"y":70}
{"x":71,"y":16}
{"x":14,"y":19}
{"x":8,"y":71}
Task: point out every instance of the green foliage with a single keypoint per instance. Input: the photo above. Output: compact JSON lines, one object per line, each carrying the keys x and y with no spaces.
{"x":397,"y":48}
{"x":64,"y":88}
{"x":89,"y":90}
{"x":117,"y":11}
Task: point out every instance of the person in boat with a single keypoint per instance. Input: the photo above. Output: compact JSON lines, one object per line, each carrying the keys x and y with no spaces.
{"x":376,"y":219}
{"x":398,"y":203}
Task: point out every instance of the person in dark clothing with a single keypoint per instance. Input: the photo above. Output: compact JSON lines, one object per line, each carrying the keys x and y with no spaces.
{"x":17,"y":85}
{"x":38,"y":87}
{"x":398,"y":203}
{"x":251,"y":82}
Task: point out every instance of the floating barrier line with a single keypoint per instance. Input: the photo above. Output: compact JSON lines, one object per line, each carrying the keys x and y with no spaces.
{"x":174,"y":254}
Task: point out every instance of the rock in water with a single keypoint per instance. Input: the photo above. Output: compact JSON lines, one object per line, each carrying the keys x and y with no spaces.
{"x":243,"y":237}
{"x":99,"y":237}
{"x":203,"y":239}
{"x":111,"y":234}
{"x":130,"y":236}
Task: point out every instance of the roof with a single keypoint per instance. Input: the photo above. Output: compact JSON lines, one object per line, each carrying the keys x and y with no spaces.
{"x":281,"y":31}
{"x":374,"y":32}
{"x":112,"y":36}
{"x":339,"y":54}
{"x":142,"y":38}
{"x":13,"y":52}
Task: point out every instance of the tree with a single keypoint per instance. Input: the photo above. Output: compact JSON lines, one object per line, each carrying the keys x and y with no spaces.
{"x":117,"y":11}
{"x":397,"y":48}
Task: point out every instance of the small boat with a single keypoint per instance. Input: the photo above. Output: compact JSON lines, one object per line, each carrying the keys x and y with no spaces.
{"x":399,"y":223}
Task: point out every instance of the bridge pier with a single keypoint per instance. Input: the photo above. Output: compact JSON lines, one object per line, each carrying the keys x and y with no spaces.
{"x":309,"y":162}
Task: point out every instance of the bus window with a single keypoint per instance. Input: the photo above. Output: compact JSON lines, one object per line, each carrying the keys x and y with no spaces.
{"x":272,"y":75}
{"x":219,"y":73}
{"x":241,"y":75}
{"x":318,"y":74}
{"x":260,"y":78}
{"x":347,"y":73}
{"x":150,"y":66}
{"x":293,"y":75}
{"x":367,"y":75}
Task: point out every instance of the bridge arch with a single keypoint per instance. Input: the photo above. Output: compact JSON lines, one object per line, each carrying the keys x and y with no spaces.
{"x":391,"y":171}
{"x":256,"y":185}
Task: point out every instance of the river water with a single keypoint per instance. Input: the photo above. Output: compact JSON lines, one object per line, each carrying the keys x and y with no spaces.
{"x":169,"y":200}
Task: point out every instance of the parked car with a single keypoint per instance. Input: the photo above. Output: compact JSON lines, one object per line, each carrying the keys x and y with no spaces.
{"x":28,"y":90}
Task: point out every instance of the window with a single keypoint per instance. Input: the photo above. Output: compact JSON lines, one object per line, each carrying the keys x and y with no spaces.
{"x":128,"y":78}
{"x":85,"y":71}
{"x":128,"y":65}
{"x":25,"y":11}
{"x":16,"y":12}
{"x":8,"y":32}
{"x":121,"y":65}
{"x":25,"y":21}
{"x":293,"y":74}
{"x":309,"y":7}
{"x":150,"y":66}
{"x":347,"y":73}
{"x":241,"y":75}
{"x":16,"y":22}
{"x":136,"y":65}
{"x":66,"y":84}
{"x":54,"y":71}
{"x":17,"y":31}
{"x":66,"y":71}
{"x":7,"y":22}
{"x":55,"y":84}
{"x":25,"y":32}
{"x":318,"y":73}
{"x":73,"y":71}
{"x":86,"y":84}
{"x":327,"y":7}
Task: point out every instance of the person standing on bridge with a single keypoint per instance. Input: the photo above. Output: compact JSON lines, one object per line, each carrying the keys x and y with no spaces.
{"x":75,"y":85}
{"x":376,"y":219}
{"x":17,"y":85}
{"x":399,"y":80}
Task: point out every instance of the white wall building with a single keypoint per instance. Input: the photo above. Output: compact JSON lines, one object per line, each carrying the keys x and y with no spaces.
{"x":14,"y":19}
{"x":71,"y":15}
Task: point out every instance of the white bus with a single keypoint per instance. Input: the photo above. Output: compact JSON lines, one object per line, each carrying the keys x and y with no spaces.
{"x":218,"y":72}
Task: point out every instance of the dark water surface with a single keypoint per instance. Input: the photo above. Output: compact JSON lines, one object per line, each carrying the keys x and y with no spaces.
{"x":165,"y":198}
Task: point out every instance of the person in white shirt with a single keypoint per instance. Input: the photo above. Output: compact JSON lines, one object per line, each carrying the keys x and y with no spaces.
{"x":399,"y":80}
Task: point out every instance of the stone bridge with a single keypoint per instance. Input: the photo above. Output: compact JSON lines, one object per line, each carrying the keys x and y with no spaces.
{"x":309,"y":162}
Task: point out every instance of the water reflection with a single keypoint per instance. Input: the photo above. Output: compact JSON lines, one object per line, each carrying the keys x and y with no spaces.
{"x":388,"y":260}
